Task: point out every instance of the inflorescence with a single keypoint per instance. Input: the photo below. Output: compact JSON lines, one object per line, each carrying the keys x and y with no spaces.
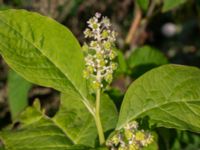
{"x":130,"y":138}
{"x":99,"y":53}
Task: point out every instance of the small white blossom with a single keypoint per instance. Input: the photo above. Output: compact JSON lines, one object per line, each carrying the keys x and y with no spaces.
{"x":98,"y":15}
{"x":99,"y":53}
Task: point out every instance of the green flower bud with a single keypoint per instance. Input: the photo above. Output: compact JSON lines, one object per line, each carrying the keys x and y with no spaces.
{"x":115,"y":140}
{"x":140,"y":136}
{"x":106,"y":21}
{"x":99,"y":56}
{"x":85,"y":48}
{"x":107,"y":45}
{"x":109,"y":78}
{"x":123,"y":148}
{"x":114,"y":66}
{"x":90,"y":69}
{"x":92,"y":20}
{"x":88,"y":33}
{"x":94,"y":25}
{"x":104,"y":34}
{"x":128,"y":134}
{"x":94,"y":43}
{"x":120,"y":148}
{"x":86,"y":74}
{"x":133,"y":147}
{"x":102,"y":63}
{"x":112,"y":55}
{"x":96,"y":85}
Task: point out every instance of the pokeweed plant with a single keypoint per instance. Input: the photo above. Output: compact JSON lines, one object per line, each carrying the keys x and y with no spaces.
{"x":46,"y":53}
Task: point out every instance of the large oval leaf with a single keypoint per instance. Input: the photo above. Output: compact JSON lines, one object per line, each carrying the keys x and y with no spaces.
{"x":169,"y":95}
{"x":42,"y":51}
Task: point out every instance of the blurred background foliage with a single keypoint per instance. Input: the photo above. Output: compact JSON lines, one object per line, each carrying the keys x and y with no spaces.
{"x":150,"y":33}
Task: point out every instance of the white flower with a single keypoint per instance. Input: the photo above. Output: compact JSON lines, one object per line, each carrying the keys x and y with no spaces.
{"x":97,"y":15}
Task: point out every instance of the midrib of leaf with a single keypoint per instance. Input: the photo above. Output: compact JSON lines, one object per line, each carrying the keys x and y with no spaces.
{"x":85,"y":100}
{"x":158,"y":107}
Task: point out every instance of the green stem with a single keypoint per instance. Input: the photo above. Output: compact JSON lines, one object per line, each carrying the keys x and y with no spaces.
{"x":98,"y":119}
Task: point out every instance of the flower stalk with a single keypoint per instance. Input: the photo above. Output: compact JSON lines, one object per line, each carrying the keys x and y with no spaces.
{"x":99,"y":56}
{"x":98,"y":118}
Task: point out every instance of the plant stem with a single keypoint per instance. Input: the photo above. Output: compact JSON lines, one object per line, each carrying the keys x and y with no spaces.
{"x":98,"y":119}
{"x":135,"y":25}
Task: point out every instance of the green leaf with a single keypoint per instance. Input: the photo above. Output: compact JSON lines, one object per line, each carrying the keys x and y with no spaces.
{"x":146,"y":55}
{"x":37,"y":132}
{"x":169,"y":95}
{"x":144,"y":59}
{"x":171,"y":4}
{"x":122,"y":66}
{"x":43,"y":52}
{"x":143,"y":4}
{"x":2,"y":148}
{"x":79,"y":124}
{"x":17,"y":93}
{"x":4,"y":7}
{"x":186,"y":140}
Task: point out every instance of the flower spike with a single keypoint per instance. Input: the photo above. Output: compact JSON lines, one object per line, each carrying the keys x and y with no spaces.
{"x":99,"y":53}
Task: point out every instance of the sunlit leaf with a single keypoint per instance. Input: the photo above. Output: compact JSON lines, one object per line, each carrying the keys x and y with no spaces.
{"x":169,"y":95}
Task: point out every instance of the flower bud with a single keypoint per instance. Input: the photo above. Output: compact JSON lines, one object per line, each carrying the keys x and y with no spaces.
{"x":109,"y":78}
{"x":85,"y":48}
{"x":112,"y":55}
{"x":96,"y":85}
{"x":139,"y":136}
